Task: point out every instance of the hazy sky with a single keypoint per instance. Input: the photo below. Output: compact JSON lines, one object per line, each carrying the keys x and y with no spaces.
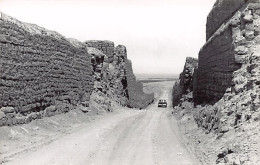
{"x":158,"y":34}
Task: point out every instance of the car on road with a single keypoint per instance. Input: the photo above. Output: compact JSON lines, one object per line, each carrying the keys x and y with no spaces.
{"x":162,"y":103}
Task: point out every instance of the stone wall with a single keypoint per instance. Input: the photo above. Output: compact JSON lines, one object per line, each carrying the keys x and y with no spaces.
{"x":42,"y":73}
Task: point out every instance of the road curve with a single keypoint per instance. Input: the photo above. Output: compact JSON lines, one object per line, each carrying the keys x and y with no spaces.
{"x":131,"y":137}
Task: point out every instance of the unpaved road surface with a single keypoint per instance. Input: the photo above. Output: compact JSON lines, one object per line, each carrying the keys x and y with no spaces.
{"x":135,"y":137}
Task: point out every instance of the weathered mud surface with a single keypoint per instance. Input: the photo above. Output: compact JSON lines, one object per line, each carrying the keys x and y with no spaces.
{"x":226,"y":107}
{"x":45,"y":74}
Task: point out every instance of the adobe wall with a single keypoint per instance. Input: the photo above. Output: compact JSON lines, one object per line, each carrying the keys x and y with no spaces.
{"x":228,"y":74}
{"x":42,"y":73}
{"x":215,"y":69}
{"x":228,"y":49}
{"x":137,"y":98}
{"x":106,"y":47}
{"x":186,"y":77}
{"x":110,"y":77}
{"x":117,"y":80}
{"x":185,"y":83}
{"x":226,"y":90}
{"x":221,"y":11}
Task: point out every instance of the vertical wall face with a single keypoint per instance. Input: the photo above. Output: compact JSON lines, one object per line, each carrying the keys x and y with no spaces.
{"x":118,"y":80}
{"x":185,"y":83}
{"x":228,"y":77}
{"x":216,"y":67}
{"x":39,"y":68}
{"x":186,"y":77}
{"x":137,"y":98}
{"x":222,"y":11}
{"x":109,"y":77}
{"x":232,"y":46}
{"x":43,"y":73}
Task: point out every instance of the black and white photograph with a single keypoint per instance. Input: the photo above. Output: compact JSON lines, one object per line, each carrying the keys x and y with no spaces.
{"x":129,"y":82}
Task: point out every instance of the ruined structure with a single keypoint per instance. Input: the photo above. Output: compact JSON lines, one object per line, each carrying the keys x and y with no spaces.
{"x":231,"y":47}
{"x":109,"y":77}
{"x":39,"y":68}
{"x":117,"y":79}
{"x":44,"y":73}
{"x":226,"y":84}
{"x":107,"y":47}
{"x":222,"y":11}
{"x":137,"y":98}
{"x":228,"y":72}
{"x":185,"y":83}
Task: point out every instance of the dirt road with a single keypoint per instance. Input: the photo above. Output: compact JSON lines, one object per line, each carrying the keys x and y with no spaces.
{"x":134,"y":137}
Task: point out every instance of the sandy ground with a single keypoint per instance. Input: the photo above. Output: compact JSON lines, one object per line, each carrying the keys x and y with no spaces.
{"x":125,"y":136}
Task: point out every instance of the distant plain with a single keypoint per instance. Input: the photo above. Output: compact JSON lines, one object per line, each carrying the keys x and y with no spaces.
{"x":148,"y":78}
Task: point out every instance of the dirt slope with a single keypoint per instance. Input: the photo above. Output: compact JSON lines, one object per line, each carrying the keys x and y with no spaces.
{"x":148,"y":136}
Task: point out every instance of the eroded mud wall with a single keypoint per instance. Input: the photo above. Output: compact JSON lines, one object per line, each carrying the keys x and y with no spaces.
{"x":39,"y":68}
{"x":216,"y":66}
{"x":228,"y":73}
{"x":137,"y":98}
{"x":221,"y":12}
{"x":226,"y":51}
{"x":117,"y":80}
{"x":109,"y":77}
{"x":185,"y":83}
{"x":44,"y":73}
{"x":106,"y":47}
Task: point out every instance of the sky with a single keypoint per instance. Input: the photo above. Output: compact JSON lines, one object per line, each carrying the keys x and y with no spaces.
{"x":158,"y":34}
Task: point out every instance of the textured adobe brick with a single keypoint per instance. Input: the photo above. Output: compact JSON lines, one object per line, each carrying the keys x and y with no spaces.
{"x":44,"y":73}
{"x":215,"y":68}
{"x":39,"y":67}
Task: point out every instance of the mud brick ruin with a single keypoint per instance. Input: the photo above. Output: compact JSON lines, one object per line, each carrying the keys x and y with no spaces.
{"x":227,"y":78}
{"x":107,"y":47}
{"x":117,"y":78}
{"x":229,"y":49}
{"x":222,"y":11}
{"x":185,"y":83}
{"x":44,"y":73}
{"x":225,"y":99}
{"x":38,"y":69}
{"x":137,"y":98}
